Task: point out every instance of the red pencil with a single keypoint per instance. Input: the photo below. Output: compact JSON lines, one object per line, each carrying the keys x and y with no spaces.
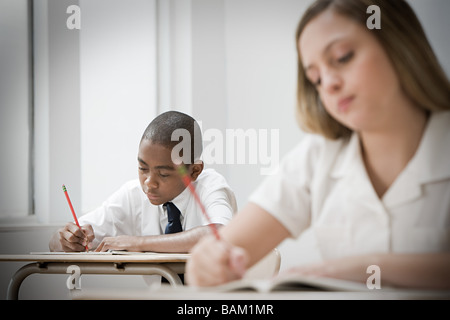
{"x":73,"y":211}
{"x":187,"y":182}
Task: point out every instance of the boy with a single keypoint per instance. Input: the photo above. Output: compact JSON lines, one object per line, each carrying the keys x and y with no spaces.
{"x":135,"y":218}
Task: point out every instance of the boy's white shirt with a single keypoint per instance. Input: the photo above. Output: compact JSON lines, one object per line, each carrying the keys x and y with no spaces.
{"x":323,"y":193}
{"x":128,"y":211}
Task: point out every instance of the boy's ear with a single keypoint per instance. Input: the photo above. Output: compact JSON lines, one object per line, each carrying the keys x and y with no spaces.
{"x":196,"y":169}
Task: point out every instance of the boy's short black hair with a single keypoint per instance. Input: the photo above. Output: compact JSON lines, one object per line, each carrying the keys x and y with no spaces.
{"x":161,"y":131}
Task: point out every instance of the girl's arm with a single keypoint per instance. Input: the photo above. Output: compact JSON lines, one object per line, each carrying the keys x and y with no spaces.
{"x":413,"y":270}
{"x":250,"y":235}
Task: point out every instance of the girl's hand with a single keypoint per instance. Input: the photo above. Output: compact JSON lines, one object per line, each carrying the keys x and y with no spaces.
{"x":215,"y":262}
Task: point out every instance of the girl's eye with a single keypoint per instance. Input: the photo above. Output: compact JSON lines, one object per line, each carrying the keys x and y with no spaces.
{"x":346,"y":58}
{"x":317,"y":83}
{"x":314,"y":80}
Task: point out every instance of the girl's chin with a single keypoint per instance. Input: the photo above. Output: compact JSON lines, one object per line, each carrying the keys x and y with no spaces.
{"x":356,"y":123}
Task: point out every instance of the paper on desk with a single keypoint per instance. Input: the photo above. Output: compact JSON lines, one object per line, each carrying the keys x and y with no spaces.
{"x":110,"y":252}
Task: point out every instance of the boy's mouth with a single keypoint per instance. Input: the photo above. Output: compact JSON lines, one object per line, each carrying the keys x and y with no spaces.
{"x":152,"y":197}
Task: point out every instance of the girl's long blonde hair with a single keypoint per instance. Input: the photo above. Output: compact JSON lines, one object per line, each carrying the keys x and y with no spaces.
{"x":401,"y":35}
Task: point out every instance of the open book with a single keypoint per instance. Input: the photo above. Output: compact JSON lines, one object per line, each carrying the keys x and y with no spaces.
{"x":291,"y":282}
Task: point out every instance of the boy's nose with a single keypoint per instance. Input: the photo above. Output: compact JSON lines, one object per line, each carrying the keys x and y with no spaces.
{"x":151,"y":182}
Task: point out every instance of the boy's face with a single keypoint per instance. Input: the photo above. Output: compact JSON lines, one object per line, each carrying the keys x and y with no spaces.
{"x":158,"y":175}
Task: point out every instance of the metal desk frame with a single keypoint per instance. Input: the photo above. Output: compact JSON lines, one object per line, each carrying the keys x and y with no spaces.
{"x":167,"y":265}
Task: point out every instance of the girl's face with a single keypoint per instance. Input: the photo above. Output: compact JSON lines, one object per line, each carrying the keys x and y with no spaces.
{"x":349,"y":68}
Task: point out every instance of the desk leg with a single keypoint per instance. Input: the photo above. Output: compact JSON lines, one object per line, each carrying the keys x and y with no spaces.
{"x":91,"y":268}
{"x":18,"y":277}
{"x":126,"y":268}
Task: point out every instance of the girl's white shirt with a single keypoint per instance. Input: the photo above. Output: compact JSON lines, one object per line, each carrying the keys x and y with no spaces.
{"x":322,"y":187}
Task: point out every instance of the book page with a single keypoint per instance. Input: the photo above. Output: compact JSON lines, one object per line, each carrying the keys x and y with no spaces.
{"x":292,"y":282}
{"x":243,"y":285}
{"x":307,"y":283}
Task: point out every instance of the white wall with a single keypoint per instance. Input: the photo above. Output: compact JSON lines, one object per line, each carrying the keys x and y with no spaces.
{"x":261,"y":81}
{"x":15,"y":103}
{"x":95,"y":94}
{"x":57,"y":111}
{"x":118,"y":92}
{"x":261,"y":77}
{"x":243,"y":77}
{"x":434,"y":18}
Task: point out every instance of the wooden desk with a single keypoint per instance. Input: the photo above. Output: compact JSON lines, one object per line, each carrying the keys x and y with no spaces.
{"x":167,"y":265}
{"x":186,"y":293}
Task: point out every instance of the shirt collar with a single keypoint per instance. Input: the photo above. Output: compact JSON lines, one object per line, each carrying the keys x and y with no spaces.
{"x":429,"y":163}
{"x":181,"y":201}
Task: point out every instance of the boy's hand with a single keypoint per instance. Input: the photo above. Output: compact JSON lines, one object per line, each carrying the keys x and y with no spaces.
{"x":73,"y":239}
{"x":129,"y":243}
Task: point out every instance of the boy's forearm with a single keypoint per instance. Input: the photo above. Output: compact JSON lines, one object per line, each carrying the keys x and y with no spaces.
{"x":178,"y":242}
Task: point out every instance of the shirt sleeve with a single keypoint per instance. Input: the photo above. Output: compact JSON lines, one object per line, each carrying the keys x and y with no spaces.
{"x":221,"y":206}
{"x":217,"y":197}
{"x":112,"y":218}
{"x":286,"y":194}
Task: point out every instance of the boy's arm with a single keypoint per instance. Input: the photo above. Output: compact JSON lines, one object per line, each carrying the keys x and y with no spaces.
{"x":180,"y":242}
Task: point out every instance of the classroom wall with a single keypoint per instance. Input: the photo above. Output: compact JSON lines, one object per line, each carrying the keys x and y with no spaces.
{"x":94,"y":97}
{"x":434,"y":18}
{"x":261,"y":79}
{"x":229,"y":63}
{"x":15,"y":101}
{"x":118,"y":92}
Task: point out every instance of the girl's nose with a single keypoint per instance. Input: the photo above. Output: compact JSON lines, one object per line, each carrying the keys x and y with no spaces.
{"x":331,"y":82}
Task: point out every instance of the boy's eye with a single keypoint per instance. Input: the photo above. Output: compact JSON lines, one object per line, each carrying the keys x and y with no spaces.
{"x":163,"y":175}
{"x":142,"y":169}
